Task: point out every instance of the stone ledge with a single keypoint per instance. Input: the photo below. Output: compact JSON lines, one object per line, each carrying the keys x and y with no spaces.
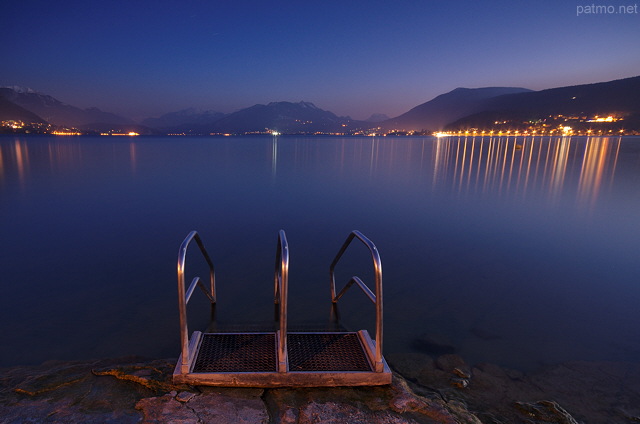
{"x":132,"y":390}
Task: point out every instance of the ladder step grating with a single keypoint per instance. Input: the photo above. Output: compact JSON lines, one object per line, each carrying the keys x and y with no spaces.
{"x":237,"y":353}
{"x":256,"y":352}
{"x":326,"y":352}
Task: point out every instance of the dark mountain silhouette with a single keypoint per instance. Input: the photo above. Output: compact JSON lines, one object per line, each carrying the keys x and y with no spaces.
{"x":11,"y":111}
{"x":58,"y":113}
{"x":617,"y":97}
{"x":284,"y":117}
{"x":446,"y":108}
{"x":377,"y":117}
{"x":462,"y":108}
{"x":184,"y":120}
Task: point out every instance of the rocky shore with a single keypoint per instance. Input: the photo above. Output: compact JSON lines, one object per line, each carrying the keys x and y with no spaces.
{"x":424,"y":390}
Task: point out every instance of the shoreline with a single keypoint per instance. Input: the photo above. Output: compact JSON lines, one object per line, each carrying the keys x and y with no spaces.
{"x":424,"y":390}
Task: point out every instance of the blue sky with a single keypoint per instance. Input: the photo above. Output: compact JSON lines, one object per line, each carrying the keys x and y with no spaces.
{"x":143,"y":58}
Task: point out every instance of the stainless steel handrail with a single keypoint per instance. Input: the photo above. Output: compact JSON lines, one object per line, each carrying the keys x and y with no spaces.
{"x":375,"y":298}
{"x":185,"y":295}
{"x":281,"y":293}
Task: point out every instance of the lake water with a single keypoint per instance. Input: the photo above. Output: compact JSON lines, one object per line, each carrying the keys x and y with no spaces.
{"x":517,"y":251}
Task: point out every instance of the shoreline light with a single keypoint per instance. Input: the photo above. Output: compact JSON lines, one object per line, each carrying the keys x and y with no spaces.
{"x":66,"y":133}
{"x":130,"y":134}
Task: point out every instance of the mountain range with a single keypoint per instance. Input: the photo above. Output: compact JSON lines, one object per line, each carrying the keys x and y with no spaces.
{"x":619,"y":97}
{"x":54,"y":111}
{"x":184,"y":121}
{"x":435,"y":114}
{"x":458,"y":109}
{"x":285,"y":117}
{"x":12,"y":111}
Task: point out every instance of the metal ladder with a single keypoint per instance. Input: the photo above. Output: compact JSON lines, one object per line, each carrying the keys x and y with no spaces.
{"x":280,"y":358}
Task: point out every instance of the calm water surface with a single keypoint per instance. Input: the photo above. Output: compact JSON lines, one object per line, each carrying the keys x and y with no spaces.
{"x":517,"y":251}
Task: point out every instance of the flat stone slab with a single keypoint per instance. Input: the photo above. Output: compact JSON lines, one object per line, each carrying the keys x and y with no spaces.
{"x":437,"y":390}
{"x":225,"y":407}
{"x":132,"y":390}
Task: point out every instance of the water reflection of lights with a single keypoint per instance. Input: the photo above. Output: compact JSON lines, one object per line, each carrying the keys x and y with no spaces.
{"x":513,"y":166}
{"x":1,"y":167}
{"x":20,"y":156}
{"x":557,"y":159}
{"x":274,"y":155}
{"x":14,"y":160}
{"x":63,"y":156}
{"x":597,"y":167}
{"x":132,"y":156}
{"x":22,"y":161}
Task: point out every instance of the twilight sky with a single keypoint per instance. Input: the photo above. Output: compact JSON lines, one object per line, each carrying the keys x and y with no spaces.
{"x":146,"y":58}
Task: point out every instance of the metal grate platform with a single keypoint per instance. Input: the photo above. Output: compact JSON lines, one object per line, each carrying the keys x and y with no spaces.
{"x":326,"y":352}
{"x":312,"y":360}
{"x":236,"y":353}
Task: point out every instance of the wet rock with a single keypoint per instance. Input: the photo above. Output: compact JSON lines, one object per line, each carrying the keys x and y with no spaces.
{"x":163,"y":409}
{"x":68,"y":392}
{"x":546,"y":412}
{"x":376,"y":405}
{"x":184,"y":396}
{"x":433,"y":345}
{"x":493,"y":391}
{"x":154,"y":375}
{"x":594,"y":392}
{"x":488,"y":418}
{"x":409,"y":365}
{"x":459,"y":383}
{"x":628,"y":417}
{"x":445,"y":372}
{"x":453,"y":364}
{"x":434,"y":378}
{"x":339,"y":413}
{"x":131,"y":391}
{"x":462,"y":373}
{"x":289,"y":416}
{"x":209,"y":406}
{"x":436,"y":409}
{"x":587,"y":392}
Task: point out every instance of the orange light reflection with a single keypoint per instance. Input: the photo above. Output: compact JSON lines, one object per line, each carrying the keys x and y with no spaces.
{"x":516,"y":166}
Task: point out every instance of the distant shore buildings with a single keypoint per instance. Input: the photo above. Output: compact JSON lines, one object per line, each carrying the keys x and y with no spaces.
{"x":597,"y":125}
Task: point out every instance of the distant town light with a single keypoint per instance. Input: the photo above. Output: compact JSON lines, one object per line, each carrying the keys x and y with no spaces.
{"x":597,"y":118}
{"x":66,"y":133}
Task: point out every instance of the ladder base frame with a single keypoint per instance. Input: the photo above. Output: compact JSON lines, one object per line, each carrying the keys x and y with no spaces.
{"x":285,"y":379}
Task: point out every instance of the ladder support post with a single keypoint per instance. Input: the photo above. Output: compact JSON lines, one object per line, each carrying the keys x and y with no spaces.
{"x":377,"y":298}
